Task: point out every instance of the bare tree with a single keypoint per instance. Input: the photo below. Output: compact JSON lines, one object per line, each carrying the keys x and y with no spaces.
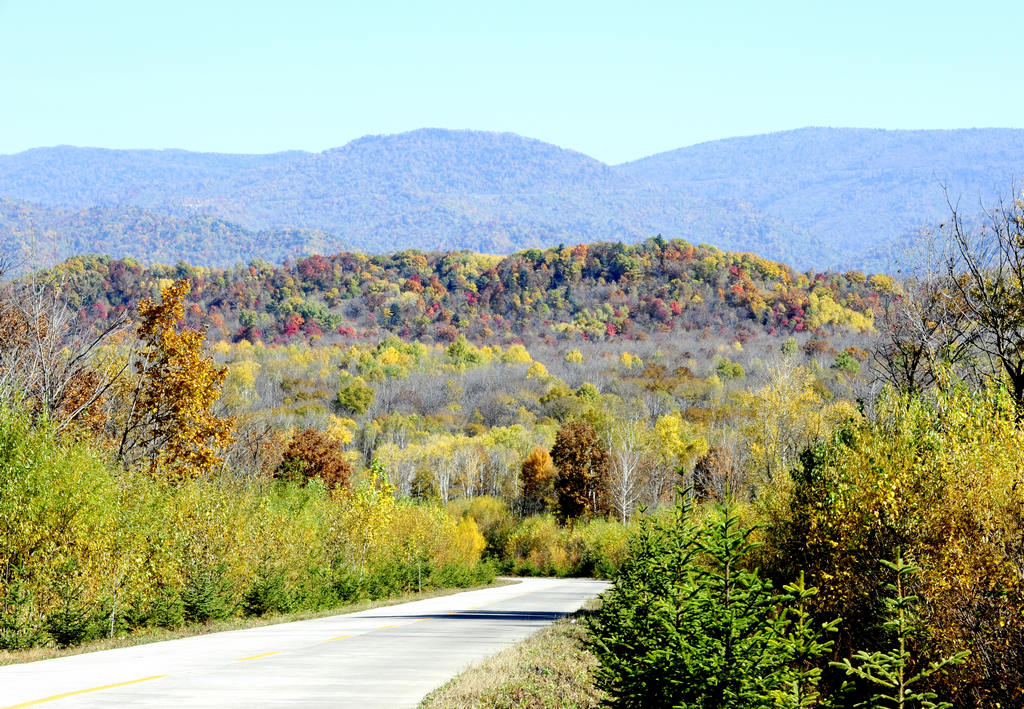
{"x":629,"y":449}
{"x":658,"y":485}
{"x":442,"y":469}
{"x":502,"y":465}
{"x":48,"y":355}
{"x":918,"y":332}
{"x":713,"y":475}
{"x":985,"y":267}
{"x":258,"y":447}
{"x":469,"y":460}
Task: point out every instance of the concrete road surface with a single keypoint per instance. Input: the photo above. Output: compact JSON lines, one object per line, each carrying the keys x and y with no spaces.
{"x":384,"y":657}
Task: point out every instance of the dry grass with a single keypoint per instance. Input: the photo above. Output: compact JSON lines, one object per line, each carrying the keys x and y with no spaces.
{"x":154,"y":635}
{"x":550,"y":669}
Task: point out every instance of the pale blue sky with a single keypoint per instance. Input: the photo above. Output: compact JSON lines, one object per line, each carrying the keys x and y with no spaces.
{"x":615,"y":80}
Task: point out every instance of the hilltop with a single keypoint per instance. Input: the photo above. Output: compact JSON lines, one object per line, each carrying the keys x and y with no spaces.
{"x":591,"y":292}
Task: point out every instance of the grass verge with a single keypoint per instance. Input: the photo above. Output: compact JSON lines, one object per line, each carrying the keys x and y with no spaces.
{"x":155,"y":635}
{"x":551,"y":668}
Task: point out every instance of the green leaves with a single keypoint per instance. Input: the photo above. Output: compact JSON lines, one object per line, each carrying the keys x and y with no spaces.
{"x":689,"y":624}
{"x":803,"y":640}
{"x":355,"y":397}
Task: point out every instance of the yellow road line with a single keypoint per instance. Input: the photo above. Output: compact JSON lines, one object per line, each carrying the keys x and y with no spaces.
{"x":340,"y":637}
{"x":55,"y":697}
{"x":385,"y":627}
{"x":255,"y":657}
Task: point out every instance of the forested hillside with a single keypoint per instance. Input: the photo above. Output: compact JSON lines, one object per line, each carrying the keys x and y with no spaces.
{"x":34,"y":235}
{"x":428,"y":189}
{"x":815,"y":198}
{"x":593,"y":292}
{"x":75,"y":177}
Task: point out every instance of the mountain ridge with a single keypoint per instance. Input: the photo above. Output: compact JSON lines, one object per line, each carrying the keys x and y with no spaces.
{"x":842,"y":183}
{"x":814,"y":197}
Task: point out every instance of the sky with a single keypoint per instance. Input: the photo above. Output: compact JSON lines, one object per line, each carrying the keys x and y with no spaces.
{"x":615,"y":80}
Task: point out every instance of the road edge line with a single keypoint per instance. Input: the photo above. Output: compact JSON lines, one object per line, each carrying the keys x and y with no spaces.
{"x":55,"y":697}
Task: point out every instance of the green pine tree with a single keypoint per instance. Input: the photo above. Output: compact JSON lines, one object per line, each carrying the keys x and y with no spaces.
{"x":889,"y":672}
{"x":689,"y":624}
{"x":804,"y":646}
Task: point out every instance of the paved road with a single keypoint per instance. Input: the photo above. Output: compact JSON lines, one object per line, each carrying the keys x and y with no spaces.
{"x":383,"y":657}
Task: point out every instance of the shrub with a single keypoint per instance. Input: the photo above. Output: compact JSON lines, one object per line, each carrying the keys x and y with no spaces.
{"x":312,"y":454}
{"x":207,"y":595}
{"x":68,"y":622}
{"x":605,"y":547}
{"x":268,"y":593}
{"x":18,"y":628}
{"x":890,"y":675}
{"x":356,"y":397}
{"x":729,"y":370}
{"x":845,"y":362}
{"x":493,"y":518}
{"x":938,"y":477}
{"x":165,"y":609}
{"x":538,"y":546}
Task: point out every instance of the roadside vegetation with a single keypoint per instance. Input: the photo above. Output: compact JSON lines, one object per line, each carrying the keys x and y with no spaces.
{"x":157,"y":474}
{"x":142,"y":636}
{"x":880,"y":568}
{"x":552,"y":668}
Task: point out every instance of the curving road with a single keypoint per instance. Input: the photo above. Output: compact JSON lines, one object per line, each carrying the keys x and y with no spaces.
{"x":384,"y":657}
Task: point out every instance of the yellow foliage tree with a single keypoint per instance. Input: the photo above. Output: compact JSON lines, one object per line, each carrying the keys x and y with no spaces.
{"x":679,"y":441}
{"x":368,"y":511}
{"x":167,"y":418}
{"x":537,"y":370}
{"x":630,"y":361}
{"x":823,"y":310}
{"x":340,"y":429}
{"x":941,"y":481}
{"x":516,"y":354}
{"x":784,"y":417}
{"x":537,"y":475}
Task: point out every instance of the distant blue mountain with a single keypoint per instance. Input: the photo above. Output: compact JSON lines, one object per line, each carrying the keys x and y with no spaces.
{"x":816,"y":198}
{"x":36,"y":235}
{"x":67,"y":176}
{"x":427,"y":189}
{"x":856,"y":193}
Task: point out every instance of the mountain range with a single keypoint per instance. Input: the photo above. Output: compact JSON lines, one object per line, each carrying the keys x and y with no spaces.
{"x":815,"y":198}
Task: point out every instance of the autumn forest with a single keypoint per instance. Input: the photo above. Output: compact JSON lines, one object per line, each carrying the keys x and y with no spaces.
{"x":805,"y":484}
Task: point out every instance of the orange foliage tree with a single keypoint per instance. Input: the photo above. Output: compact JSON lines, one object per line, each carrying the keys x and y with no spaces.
{"x":167,"y":417}
{"x":311,"y":454}
{"x":537,"y":474}
{"x":582,"y":463}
